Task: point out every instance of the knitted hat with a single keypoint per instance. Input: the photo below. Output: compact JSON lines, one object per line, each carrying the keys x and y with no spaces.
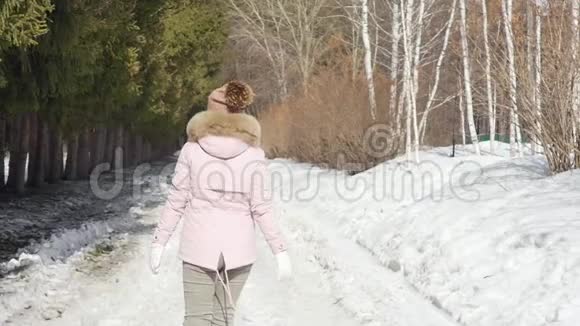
{"x":239,"y":96}
{"x":232,"y":97}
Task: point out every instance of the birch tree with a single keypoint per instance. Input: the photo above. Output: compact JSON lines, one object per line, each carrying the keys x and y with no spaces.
{"x":355,"y":37}
{"x":490,"y":101}
{"x":462,"y":117}
{"x":515,"y":134}
{"x":467,"y":78}
{"x":261,"y":26}
{"x":531,"y":61}
{"x":576,"y":72}
{"x":307,"y":32}
{"x":416,"y":63}
{"x":287,"y":31}
{"x":368,"y":58}
{"x":538,"y":76}
{"x":408,"y":83}
{"x":395,"y":42}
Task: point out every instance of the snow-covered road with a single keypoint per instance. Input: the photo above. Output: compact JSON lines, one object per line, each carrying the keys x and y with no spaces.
{"x":336,"y":283}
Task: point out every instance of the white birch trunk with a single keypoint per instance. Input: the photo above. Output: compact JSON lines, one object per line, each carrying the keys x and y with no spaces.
{"x":529,"y":41}
{"x":355,"y":36}
{"x":576,"y":72}
{"x":396,"y":38}
{"x":407,"y":20}
{"x":368,"y":59}
{"x":538,"y":80}
{"x":490,"y":103}
{"x":462,"y":115}
{"x":416,"y":63}
{"x":515,"y":134}
{"x":530,"y":61}
{"x":377,"y":40}
{"x":493,"y":126}
{"x":467,"y":78}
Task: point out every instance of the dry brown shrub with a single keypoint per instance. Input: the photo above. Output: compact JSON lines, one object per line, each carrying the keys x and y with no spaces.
{"x":329,"y":124}
{"x":551,"y":127}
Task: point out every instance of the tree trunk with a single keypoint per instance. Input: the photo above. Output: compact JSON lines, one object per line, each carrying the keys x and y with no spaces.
{"x":72,"y":149}
{"x":493,"y":120}
{"x":83,"y":155}
{"x":407,"y":20}
{"x":35,"y":151}
{"x":490,"y":105}
{"x":531,"y":65}
{"x":462,"y":115}
{"x":577,"y":154}
{"x":33,"y":139}
{"x":23,"y":154}
{"x":19,"y":153}
{"x":55,"y":155}
{"x":576,"y":71}
{"x":148,"y":152}
{"x":14,"y":148}
{"x":538,"y":80}
{"x":2,"y":150}
{"x":109,"y":146}
{"x":42,"y":159}
{"x":467,"y":78}
{"x":101,"y":144}
{"x":138,"y":149}
{"x":127,"y":149}
{"x":93,"y":148}
{"x":396,"y":39}
{"x":515,"y":133}
{"x":368,"y":59}
{"x":46,"y":162}
{"x":418,"y":22}
{"x":118,"y":157}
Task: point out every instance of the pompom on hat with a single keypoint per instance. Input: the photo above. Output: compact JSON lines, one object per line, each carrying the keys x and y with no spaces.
{"x":233,"y":97}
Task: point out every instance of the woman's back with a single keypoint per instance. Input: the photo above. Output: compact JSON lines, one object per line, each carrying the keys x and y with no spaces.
{"x":221,"y":188}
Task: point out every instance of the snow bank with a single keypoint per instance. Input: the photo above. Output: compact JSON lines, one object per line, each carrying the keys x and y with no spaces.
{"x":40,"y":277}
{"x":44,"y":288}
{"x":64,"y":244}
{"x":490,"y":240}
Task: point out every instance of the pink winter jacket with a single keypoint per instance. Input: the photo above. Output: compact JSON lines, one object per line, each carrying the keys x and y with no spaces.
{"x":221,"y":189}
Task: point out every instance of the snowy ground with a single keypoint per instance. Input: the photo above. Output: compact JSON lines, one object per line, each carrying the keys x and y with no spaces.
{"x":503,"y":250}
{"x":116,"y":288}
{"x":469,"y":240}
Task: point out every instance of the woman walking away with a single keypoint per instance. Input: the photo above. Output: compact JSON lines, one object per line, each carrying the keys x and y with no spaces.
{"x":221,"y":189}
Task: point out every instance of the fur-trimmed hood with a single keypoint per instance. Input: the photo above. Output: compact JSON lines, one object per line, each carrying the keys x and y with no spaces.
{"x":237,"y":125}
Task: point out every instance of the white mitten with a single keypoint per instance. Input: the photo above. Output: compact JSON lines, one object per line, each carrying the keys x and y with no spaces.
{"x":284,"y":265}
{"x":155,"y":257}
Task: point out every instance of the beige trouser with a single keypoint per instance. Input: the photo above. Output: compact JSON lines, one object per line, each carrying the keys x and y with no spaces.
{"x":207,"y":302}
